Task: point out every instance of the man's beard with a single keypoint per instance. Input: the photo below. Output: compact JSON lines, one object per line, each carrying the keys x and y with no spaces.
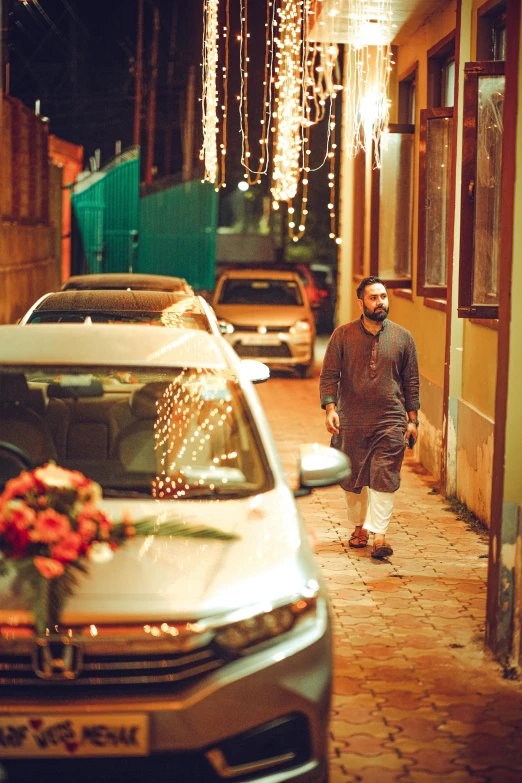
{"x":376,"y":315}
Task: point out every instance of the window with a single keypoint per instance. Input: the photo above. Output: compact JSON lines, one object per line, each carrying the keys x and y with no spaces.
{"x":491,"y":31}
{"x":441,"y":73}
{"x":392,"y":208}
{"x":434,"y":201}
{"x":407,"y":85}
{"x":481,"y":189}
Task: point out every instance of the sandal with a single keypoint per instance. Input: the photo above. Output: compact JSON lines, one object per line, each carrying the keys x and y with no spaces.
{"x":381,"y":552}
{"x":359,"y":538}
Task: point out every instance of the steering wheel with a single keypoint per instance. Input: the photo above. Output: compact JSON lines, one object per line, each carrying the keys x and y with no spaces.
{"x":12,"y":461}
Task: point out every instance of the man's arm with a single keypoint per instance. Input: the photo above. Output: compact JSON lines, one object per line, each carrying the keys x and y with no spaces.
{"x":331,"y":371}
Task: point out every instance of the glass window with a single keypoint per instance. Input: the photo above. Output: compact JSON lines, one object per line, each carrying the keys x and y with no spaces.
{"x":487,"y":189}
{"x":260,"y":292}
{"x":481,"y":189}
{"x":434,"y":201}
{"x":174,"y":434}
{"x":392,"y":208}
{"x":448,"y":84}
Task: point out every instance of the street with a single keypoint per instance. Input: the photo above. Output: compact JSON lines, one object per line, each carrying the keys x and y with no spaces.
{"x":416,"y":697}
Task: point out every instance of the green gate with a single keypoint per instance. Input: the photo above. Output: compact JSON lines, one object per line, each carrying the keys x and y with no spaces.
{"x":106,"y":208}
{"x":178,"y":233}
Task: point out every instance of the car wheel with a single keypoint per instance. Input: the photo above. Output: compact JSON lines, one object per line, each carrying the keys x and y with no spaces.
{"x":307,"y":370}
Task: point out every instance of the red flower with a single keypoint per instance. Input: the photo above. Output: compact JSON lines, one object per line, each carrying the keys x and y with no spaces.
{"x":50,"y":526}
{"x":48,"y":567}
{"x":16,"y":536}
{"x":86,"y":527}
{"x":68,"y":549}
{"x":90,"y":513}
{"x":19,"y":486}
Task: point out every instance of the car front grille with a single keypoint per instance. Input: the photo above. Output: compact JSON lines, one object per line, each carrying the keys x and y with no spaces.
{"x":268,"y":351}
{"x":118,"y":668}
{"x":243,"y":328}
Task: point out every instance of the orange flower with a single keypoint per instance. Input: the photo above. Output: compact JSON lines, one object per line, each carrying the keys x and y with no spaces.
{"x":48,"y":567}
{"x":18,"y":486}
{"x":51,"y":526}
{"x":68,"y":549}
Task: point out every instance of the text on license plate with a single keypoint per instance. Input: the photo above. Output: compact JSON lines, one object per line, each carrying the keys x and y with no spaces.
{"x":35,"y":736}
{"x":260,"y":339}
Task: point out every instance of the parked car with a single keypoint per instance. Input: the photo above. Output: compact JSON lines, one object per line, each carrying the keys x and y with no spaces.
{"x":132,"y":281}
{"x":264,"y":314}
{"x":325,"y":282}
{"x":213,"y":656}
{"x":101,"y":306}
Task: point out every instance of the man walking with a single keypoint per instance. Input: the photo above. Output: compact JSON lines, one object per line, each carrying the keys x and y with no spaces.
{"x":370,"y":391}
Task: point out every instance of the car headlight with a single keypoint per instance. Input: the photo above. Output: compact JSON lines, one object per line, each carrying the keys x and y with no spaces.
{"x":300,"y":327}
{"x":262,"y":626}
{"x":225,"y":327}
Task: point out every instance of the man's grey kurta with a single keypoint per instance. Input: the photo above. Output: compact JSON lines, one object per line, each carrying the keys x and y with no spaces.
{"x":374,"y":380}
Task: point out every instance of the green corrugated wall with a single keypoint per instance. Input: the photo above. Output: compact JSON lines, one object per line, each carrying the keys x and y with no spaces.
{"x":178,"y":233}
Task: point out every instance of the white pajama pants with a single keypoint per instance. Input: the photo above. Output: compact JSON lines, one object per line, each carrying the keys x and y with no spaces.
{"x":371,"y":509}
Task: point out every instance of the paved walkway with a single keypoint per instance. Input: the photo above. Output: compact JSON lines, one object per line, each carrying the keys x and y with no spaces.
{"x":416,"y":698}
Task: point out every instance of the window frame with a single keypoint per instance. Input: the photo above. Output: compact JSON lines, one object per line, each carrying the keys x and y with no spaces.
{"x":439,"y":56}
{"x":431,"y":291}
{"x":491,"y":19}
{"x":407,"y":95}
{"x":472,"y":72}
{"x":403,"y":282}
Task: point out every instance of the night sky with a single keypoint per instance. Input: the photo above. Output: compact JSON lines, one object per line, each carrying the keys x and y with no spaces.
{"x":77,"y":57}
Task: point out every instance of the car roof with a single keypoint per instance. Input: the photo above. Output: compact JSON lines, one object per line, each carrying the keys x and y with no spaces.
{"x":112,"y":345}
{"x":261,"y":273}
{"x":126,"y":301}
{"x":123,"y":280}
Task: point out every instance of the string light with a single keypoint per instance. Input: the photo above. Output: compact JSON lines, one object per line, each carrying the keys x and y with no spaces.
{"x":368,"y":66}
{"x":210,"y":94}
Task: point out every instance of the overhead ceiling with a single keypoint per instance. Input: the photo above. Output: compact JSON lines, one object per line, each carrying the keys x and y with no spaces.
{"x":407,"y":16}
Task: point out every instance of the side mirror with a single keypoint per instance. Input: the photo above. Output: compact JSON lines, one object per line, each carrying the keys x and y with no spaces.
{"x":254,"y":371}
{"x":321,"y":466}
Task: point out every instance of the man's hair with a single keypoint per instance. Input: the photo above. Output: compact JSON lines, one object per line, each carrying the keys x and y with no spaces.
{"x":367,"y":281}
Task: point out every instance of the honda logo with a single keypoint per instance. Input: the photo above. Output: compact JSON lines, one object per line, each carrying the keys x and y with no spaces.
{"x":57,"y":660}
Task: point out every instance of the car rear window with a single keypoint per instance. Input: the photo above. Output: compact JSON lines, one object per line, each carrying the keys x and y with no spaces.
{"x":184,"y":320}
{"x":260,"y":292}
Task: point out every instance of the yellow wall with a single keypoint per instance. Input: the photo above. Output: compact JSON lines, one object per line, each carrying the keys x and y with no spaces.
{"x":479,"y":367}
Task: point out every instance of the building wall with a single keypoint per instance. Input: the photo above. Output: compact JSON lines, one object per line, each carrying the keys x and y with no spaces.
{"x":69,"y":157}
{"x":27,"y":261}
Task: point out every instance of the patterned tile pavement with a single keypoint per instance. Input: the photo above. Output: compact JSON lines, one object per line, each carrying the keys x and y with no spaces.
{"x":416,"y":696}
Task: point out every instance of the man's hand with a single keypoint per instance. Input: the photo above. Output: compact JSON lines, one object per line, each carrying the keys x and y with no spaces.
{"x":332,"y":419}
{"x":411,"y":429}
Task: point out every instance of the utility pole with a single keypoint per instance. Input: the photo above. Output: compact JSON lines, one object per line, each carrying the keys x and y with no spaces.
{"x":188,"y":126}
{"x":138,"y":76}
{"x":151,"y":117}
{"x":170,"y":91}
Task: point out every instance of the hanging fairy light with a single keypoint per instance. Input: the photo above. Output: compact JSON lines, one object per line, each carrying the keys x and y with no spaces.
{"x":288,"y":100}
{"x":368,"y":66}
{"x":210,"y":92}
{"x":253,"y":175}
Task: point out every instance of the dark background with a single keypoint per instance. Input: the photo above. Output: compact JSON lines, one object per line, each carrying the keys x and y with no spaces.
{"x":77,"y":57}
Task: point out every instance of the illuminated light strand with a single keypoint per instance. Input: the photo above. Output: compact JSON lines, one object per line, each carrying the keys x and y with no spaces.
{"x":288,"y":96}
{"x":262,"y":167}
{"x":210,"y":94}
{"x":368,"y":66}
{"x":223,"y":145}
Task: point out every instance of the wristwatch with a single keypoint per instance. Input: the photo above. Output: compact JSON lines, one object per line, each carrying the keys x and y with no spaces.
{"x":414,"y":421}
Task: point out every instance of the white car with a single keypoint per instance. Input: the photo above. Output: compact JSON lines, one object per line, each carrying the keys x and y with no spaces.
{"x":213,"y":656}
{"x":159,"y":308}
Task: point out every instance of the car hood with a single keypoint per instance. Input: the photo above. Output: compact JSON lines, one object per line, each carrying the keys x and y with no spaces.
{"x":262,"y":315}
{"x":162,"y":578}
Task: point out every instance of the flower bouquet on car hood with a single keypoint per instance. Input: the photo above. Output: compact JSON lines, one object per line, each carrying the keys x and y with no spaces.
{"x":50,"y":527}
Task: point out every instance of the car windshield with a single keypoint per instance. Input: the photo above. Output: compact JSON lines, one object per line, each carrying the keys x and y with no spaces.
{"x":167,"y":434}
{"x":185,"y":320}
{"x":260,"y":292}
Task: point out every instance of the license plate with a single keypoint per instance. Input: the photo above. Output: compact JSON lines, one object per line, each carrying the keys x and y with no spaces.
{"x":51,"y":736}
{"x":261,"y":339}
